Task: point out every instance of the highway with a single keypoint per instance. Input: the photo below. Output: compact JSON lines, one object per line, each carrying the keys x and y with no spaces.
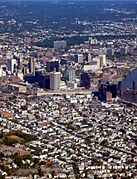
{"x":66,"y":92}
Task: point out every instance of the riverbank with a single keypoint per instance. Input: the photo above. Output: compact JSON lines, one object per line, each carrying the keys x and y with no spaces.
{"x":127,"y":102}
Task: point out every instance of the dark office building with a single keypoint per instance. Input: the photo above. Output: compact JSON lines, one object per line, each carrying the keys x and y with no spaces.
{"x":30,"y":78}
{"x":76,"y":58}
{"x":37,"y":75}
{"x":31,"y":66}
{"x":18,"y":60}
{"x":113,"y":89}
{"x":85,"y":80}
{"x":63,"y":61}
{"x":104,"y":88}
{"x":119,"y":88}
{"x":86,"y":56}
{"x":44,"y":81}
{"x":53,"y":66}
{"x":95,"y":93}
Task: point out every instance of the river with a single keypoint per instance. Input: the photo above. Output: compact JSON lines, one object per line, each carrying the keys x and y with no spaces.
{"x":127,"y":83}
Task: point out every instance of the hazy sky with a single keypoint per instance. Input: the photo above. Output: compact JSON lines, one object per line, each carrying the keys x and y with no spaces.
{"x":67,"y":0}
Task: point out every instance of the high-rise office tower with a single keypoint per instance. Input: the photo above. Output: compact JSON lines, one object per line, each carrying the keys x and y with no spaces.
{"x":103,"y":88}
{"x":110,"y":52}
{"x":37,"y":75}
{"x":99,"y":61}
{"x":89,"y":57}
{"x":30,"y":78}
{"x":11,"y":64}
{"x":123,"y":50}
{"x":53,"y":66}
{"x":31,"y":65}
{"x":78,"y":58}
{"x":20,"y":74}
{"x":25,"y":70}
{"x":85,"y":80}
{"x":70,"y":73}
{"x":55,"y":80}
{"x":102,"y":61}
{"x":2,"y":70}
{"x":44,"y":81}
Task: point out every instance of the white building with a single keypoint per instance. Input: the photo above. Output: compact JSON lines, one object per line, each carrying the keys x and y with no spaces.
{"x":55,"y":80}
{"x":20,"y":75}
{"x":91,"y":67}
{"x":96,"y":63}
{"x":72,"y":85}
{"x":78,"y":58}
{"x":2,"y":72}
{"x":102,"y":61}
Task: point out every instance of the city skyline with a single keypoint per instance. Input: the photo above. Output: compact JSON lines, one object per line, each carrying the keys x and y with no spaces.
{"x":68,"y":89}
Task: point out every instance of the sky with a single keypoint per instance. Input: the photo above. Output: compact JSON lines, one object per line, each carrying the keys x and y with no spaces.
{"x":68,"y":0}
{"x":64,"y":0}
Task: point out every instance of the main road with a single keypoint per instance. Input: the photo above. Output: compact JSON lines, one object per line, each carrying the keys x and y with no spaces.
{"x":66,"y":92}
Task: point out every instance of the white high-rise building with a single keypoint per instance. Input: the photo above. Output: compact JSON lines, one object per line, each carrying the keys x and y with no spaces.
{"x":102,"y":61}
{"x":55,"y":80}
{"x":11,"y":64}
{"x":2,"y":72}
{"x":98,"y":62}
{"x":80,"y":58}
{"x":70,"y":73}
